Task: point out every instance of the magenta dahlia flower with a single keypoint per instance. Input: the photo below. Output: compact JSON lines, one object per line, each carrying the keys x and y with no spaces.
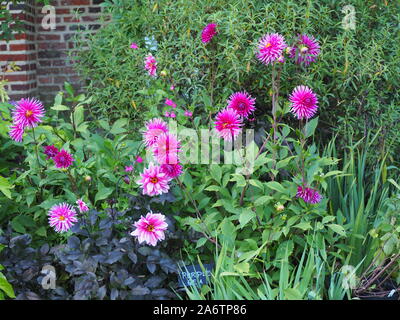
{"x":170,"y":103}
{"x":308,"y":195}
{"x":150,"y":64}
{"x":150,"y":229}
{"x":139,"y":159}
{"x":16,"y":132}
{"x":209,"y":32}
{"x":82,"y":206}
{"x":171,"y":170}
{"x":228,"y":124}
{"x":304,"y":102}
{"x":270,"y":48}
{"x":306,"y":50}
{"x":154,"y":128}
{"x":154,"y":181}
{"x":188,"y":113}
{"x":166,"y":149}
{"x":242,"y":103}
{"x":50,"y":151}
{"x":28,"y":112}
{"x":128,"y":168}
{"x":62,"y":217}
{"x":63,"y":159}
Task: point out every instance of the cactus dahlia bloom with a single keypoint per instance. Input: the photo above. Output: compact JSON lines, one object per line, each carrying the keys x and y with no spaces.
{"x":154,"y":128}
{"x":16,"y":132}
{"x":171,"y":170}
{"x":270,"y":48}
{"x":166,"y":149}
{"x":150,"y":229}
{"x":154,"y":182}
{"x":63,"y":159}
{"x":306,"y":50}
{"x":82,"y":206}
{"x":62,"y":217}
{"x":150,"y":64}
{"x":28,"y":112}
{"x":308,"y":195}
{"x":50,"y":152}
{"x":209,"y":32}
{"x":228,"y":124}
{"x":242,"y":103}
{"x":304,"y":102}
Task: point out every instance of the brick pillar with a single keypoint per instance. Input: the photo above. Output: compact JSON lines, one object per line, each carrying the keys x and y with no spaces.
{"x":43,"y":54}
{"x":21,"y":52}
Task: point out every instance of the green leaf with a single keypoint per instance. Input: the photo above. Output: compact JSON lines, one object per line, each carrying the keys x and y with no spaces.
{"x":303,"y":226}
{"x":337,"y":228}
{"x":201,"y":242}
{"x":243,"y":267}
{"x":78,"y":115}
{"x":103,"y":192}
{"x":262,"y":200}
{"x":310,"y":127}
{"x":60,"y":107}
{"x":118,"y":126}
{"x":216,"y":172}
{"x":6,"y":287}
{"x":274,"y":185}
{"x":246,"y":216}
{"x":5,"y":187}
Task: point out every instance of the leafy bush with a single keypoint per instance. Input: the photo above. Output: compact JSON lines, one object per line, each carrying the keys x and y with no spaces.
{"x":356,"y":75}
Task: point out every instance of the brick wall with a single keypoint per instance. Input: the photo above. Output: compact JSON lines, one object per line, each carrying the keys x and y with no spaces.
{"x":44,"y":54}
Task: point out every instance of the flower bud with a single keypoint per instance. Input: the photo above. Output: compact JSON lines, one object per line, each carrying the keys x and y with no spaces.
{"x":88,"y":178}
{"x":127,"y":180}
{"x":163,"y":73}
{"x":279,"y":207}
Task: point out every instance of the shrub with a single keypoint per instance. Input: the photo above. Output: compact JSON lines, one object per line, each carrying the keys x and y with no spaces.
{"x":356,"y":75}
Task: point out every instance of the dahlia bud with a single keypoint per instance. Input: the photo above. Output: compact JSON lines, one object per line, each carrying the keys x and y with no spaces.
{"x":279,"y":207}
{"x":288,"y":49}
{"x":88,"y":178}
{"x":163,"y":73}
{"x":127,"y":180}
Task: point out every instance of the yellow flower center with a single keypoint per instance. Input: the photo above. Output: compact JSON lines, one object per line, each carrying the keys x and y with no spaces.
{"x":153,"y":180}
{"x":267,"y":45}
{"x":28,"y":113}
{"x":150,"y":228}
{"x":61,"y":218}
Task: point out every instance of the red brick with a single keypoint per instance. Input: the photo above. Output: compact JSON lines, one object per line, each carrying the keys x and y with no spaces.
{"x":19,"y":47}
{"x":45,"y":80}
{"x":13,"y":57}
{"x":16,"y":77}
{"x":44,"y":36}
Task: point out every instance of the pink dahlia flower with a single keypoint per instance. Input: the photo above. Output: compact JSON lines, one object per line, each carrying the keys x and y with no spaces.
{"x":242,"y":103}
{"x":306,"y":50}
{"x":208,"y":32}
{"x":170,"y":103}
{"x":172,"y":170}
{"x":150,"y":229}
{"x":134,"y":46}
{"x":16,"y":132}
{"x":28,"y":112}
{"x":63,"y":159}
{"x":128,"y":168}
{"x":82,"y":206}
{"x":166,"y":149}
{"x":172,"y":88}
{"x":188,"y":113}
{"x":150,"y":64}
{"x":154,"y":128}
{"x":154,"y":181}
{"x":270,"y":48}
{"x":139,"y":159}
{"x":62,"y":217}
{"x":304,"y":102}
{"x":228,"y":124}
{"x":50,"y":152}
{"x":308,"y":195}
